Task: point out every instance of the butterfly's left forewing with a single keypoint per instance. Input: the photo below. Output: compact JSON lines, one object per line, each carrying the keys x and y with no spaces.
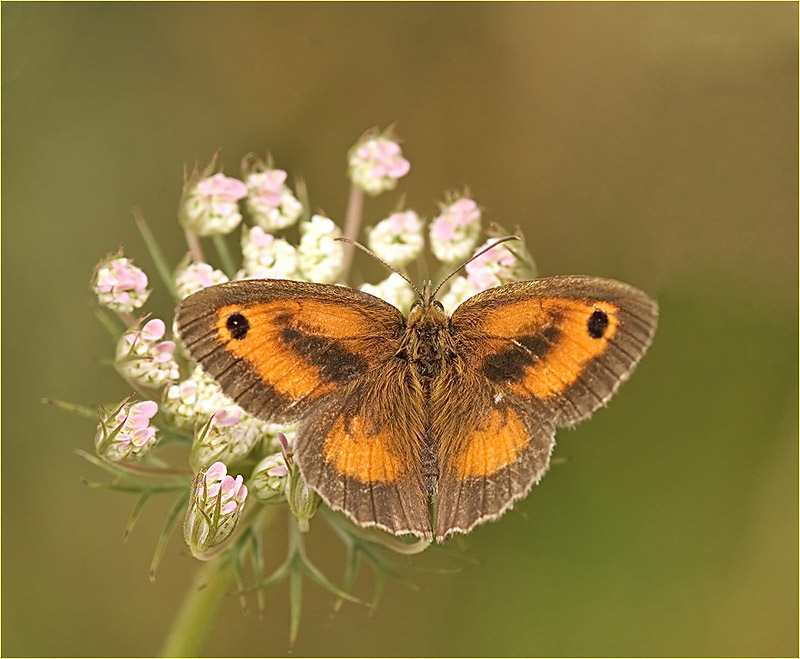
{"x":533,"y":356}
{"x":278,"y":347}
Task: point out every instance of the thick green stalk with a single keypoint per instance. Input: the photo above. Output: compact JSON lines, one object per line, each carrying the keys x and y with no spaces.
{"x":195,"y":620}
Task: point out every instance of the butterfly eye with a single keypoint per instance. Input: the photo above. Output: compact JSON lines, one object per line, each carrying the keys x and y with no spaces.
{"x":415,"y":304}
{"x":438,"y":305}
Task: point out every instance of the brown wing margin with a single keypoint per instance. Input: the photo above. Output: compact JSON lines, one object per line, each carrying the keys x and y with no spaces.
{"x":276,"y":346}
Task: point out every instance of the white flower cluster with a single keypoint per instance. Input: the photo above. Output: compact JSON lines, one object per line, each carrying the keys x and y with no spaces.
{"x":195,"y":399}
{"x":270,"y":202}
{"x":126,"y":433}
{"x":394,"y":290}
{"x":211,"y":207}
{"x":197,"y":276}
{"x":120,"y":285}
{"x":398,"y":239}
{"x":144,"y":358}
{"x":266,"y":257}
{"x":455,"y":231}
{"x":375,"y":164}
{"x":320,"y":256}
{"x":229,"y":435}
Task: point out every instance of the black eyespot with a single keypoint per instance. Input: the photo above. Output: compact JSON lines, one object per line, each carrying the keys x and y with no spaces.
{"x":237,"y":325}
{"x":597,"y":324}
{"x":438,"y":305}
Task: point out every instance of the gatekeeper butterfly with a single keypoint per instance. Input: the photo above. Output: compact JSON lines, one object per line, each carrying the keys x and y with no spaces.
{"x":426,"y":425}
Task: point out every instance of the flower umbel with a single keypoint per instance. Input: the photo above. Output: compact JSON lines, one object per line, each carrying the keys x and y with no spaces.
{"x":187,"y":435}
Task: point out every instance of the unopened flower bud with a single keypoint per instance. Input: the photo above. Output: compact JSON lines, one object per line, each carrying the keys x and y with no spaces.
{"x":376,"y":163}
{"x":210,"y":205}
{"x":303,"y":501}
{"x":320,"y":257}
{"x":144,"y":358}
{"x":120,"y":285}
{"x":455,"y":231}
{"x":216,"y":506}
{"x":126,"y":433}
{"x":268,"y":481}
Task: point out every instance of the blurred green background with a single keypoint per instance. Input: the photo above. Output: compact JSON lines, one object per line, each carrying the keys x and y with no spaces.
{"x":654,"y":143}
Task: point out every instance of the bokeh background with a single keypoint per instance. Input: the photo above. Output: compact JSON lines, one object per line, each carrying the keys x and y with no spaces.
{"x":654,"y":143}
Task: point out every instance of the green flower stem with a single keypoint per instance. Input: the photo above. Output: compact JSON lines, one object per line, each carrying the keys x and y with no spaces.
{"x":353,"y":217}
{"x":195,"y":620}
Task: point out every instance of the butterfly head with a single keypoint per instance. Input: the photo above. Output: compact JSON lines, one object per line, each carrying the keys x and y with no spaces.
{"x":427,"y":307}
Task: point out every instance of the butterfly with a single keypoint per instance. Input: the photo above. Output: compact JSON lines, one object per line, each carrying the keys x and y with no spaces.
{"x":427,"y":424}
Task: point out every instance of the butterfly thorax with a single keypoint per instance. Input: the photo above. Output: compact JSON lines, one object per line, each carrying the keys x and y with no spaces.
{"x":427,"y":343}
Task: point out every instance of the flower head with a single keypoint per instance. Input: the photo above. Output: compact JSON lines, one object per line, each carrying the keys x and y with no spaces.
{"x":120,"y":285}
{"x":492,"y":268}
{"x":193,"y":277}
{"x":193,"y":400}
{"x":455,"y":231}
{"x":144,"y":358}
{"x":267,"y":257}
{"x":126,"y":433}
{"x":394,"y":290}
{"x":216,"y":506}
{"x":270,"y":202}
{"x":398,"y":239}
{"x":229,"y":435}
{"x":376,"y":163}
{"x":210,"y":205}
{"x":320,"y":257}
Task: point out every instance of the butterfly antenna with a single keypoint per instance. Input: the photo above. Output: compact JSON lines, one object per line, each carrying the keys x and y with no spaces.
{"x":471,"y":259}
{"x":342,"y":239}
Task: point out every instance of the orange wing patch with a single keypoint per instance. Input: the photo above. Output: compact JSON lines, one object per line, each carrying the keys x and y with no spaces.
{"x":553,"y":340}
{"x":365,"y":457}
{"x":299,"y":348}
{"x":494,"y":446}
